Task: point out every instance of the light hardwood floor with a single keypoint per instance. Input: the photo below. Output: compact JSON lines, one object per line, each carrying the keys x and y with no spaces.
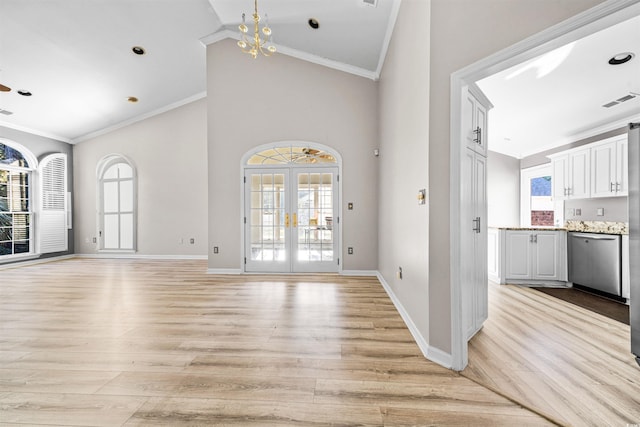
{"x":567,"y":362}
{"x":106,"y":342}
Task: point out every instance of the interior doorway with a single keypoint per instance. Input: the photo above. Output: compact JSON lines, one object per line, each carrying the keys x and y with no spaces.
{"x":291,"y":221}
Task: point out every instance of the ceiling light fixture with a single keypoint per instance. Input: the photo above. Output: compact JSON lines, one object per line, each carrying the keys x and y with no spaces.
{"x":313,"y":23}
{"x":138,"y":50}
{"x":132,"y":99}
{"x":257,"y":44}
{"x":621,"y":58}
{"x":4,"y":88}
{"x":24,"y":92}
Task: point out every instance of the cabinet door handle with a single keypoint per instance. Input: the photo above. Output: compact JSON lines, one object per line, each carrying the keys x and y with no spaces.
{"x":612,"y":190}
{"x":535,"y":238}
{"x":476,"y":227}
{"x":478,"y":138}
{"x":618,"y":186}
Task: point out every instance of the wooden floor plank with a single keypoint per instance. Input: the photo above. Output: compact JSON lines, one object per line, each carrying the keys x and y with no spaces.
{"x":145,"y":342}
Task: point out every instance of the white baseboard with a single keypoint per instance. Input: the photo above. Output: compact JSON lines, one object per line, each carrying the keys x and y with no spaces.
{"x":434,"y":354}
{"x":32,"y":261}
{"x":114,"y":255}
{"x":365,"y":273}
{"x":233,"y":271}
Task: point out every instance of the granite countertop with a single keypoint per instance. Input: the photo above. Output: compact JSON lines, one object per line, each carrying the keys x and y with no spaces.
{"x":600,"y":227}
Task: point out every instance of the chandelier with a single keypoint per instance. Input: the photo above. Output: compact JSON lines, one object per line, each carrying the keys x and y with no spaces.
{"x":256,"y":44}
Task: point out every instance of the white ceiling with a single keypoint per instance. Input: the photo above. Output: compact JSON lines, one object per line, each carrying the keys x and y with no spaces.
{"x":558,"y":97}
{"x":75,"y":56}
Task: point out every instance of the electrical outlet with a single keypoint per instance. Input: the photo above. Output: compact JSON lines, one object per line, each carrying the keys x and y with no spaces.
{"x":215,"y":249}
{"x":95,"y":240}
{"x":192,"y":240}
{"x":350,"y":250}
{"x":399,"y":273}
{"x":350,"y":206}
{"x":600,"y":212}
{"x":578,"y":211}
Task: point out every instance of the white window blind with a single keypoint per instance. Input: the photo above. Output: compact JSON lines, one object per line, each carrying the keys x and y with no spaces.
{"x":53,"y":204}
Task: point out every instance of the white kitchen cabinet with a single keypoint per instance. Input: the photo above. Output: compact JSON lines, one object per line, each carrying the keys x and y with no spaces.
{"x":474,"y":281}
{"x":532,"y":255}
{"x":474,"y":119}
{"x":609,"y":169}
{"x":571,"y":174}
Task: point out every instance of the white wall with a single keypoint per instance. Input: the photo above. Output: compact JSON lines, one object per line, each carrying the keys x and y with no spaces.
{"x":404,"y":157}
{"x":170,"y":154}
{"x":503,"y":190}
{"x":463,"y":32}
{"x":255,"y":102}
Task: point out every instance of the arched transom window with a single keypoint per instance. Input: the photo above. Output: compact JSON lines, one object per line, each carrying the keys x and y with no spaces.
{"x":291,"y":155}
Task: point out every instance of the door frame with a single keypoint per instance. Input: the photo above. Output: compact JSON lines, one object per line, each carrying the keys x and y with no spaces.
{"x":588,"y":22}
{"x":283,"y":144}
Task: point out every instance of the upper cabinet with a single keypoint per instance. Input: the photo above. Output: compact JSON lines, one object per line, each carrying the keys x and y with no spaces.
{"x":609,"y":175}
{"x":594,"y":170}
{"x":571,"y":174}
{"x":474,"y":117}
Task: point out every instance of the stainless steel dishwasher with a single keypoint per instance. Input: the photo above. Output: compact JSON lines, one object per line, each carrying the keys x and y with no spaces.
{"x":595,"y":261}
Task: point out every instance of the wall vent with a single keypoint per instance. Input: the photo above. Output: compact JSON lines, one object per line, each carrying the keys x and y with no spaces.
{"x":6,"y":112}
{"x":372,"y":3}
{"x":625,"y":98}
{"x":611,"y":104}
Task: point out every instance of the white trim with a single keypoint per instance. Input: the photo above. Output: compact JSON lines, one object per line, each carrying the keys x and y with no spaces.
{"x":393,"y":17}
{"x":601,"y":16}
{"x":31,"y":260}
{"x":434,"y":354}
{"x":139,"y":118}
{"x":362,"y":273}
{"x":227,"y":271}
{"x":120,"y":255}
{"x":290,"y":143}
{"x":294,"y":53}
{"x":35,"y":132}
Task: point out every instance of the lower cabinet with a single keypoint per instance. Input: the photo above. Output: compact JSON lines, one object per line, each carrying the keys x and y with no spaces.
{"x":532,"y":255}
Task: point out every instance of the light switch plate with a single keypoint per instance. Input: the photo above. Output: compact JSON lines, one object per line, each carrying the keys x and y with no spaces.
{"x":600,"y":212}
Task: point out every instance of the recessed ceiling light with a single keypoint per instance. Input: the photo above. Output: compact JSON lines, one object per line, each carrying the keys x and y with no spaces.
{"x":138,"y":50}
{"x":132,"y":99}
{"x":4,"y":88}
{"x":621,"y":58}
{"x":24,"y":92}
{"x":313,"y":23}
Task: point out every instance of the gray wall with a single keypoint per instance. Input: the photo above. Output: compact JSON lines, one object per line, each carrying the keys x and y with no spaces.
{"x":615,"y":209}
{"x":404,"y":157}
{"x":170,"y":154}
{"x":40,"y":147}
{"x":503,"y":190}
{"x":463,"y":32}
{"x":255,"y":102}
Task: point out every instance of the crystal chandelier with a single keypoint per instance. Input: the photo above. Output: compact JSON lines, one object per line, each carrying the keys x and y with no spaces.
{"x":256,"y":44}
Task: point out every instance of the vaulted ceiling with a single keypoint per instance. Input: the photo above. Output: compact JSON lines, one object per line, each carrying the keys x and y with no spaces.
{"x":75,"y":58}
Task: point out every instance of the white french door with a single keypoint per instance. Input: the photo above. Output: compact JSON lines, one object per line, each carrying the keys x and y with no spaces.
{"x":291,"y":222}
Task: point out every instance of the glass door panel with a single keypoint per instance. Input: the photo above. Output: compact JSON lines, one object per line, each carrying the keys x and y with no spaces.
{"x":314,"y":244}
{"x":267,"y":220}
{"x":290,"y":222}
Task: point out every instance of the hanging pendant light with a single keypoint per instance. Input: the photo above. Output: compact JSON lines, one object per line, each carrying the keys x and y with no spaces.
{"x":256,"y":44}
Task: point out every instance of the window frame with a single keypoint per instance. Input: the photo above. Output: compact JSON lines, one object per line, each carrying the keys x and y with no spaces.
{"x":104,"y":165}
{"x":31,"y":171}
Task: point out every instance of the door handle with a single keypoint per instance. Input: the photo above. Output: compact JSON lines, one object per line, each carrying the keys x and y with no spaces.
{"x":478,"y":138}
{"x":476,"y":227}
{"x":295,"y":220}
{"x":286,"y":220}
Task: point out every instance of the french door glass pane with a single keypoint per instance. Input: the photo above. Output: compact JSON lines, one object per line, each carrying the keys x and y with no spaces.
{"x":267,"y":217}
{"x":315,"y":217}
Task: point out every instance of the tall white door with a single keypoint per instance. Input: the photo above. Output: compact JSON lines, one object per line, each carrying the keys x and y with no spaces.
{"x":290,"y":219}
